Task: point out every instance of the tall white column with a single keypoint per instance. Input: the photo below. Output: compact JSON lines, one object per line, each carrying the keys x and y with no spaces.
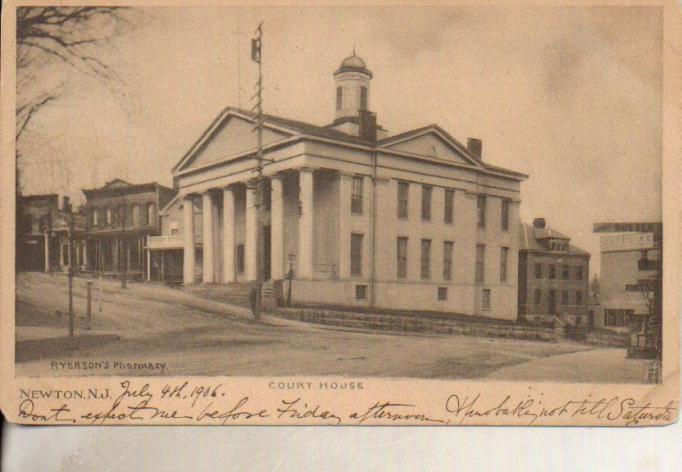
{"x":229,"y":273}
{"x":277,"y":228}
{"x":250,"y":242}
{"x":85,"y":254}
{"x":305,"y":223}
{"x":345,"y":183}
{"x":188,"y":236}
{"x":47,"y":251}
{"x":207,"y":225}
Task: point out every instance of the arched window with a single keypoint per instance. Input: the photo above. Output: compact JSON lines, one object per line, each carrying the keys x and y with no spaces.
{"x":108,"y":216}
{"x":151,"y":210}
{"x":136,"y":215}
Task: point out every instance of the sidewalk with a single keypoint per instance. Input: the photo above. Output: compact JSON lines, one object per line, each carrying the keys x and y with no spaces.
{"x":595,"y":366}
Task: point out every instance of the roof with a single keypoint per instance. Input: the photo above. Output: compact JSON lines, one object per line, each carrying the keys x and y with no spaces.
{"x":327,"y":132}
{"x":460,"y":147}
{"x":548,"y":233}
{"x":118,"y":187}
{"x":529,"y":242}
{"x":353,"y":63}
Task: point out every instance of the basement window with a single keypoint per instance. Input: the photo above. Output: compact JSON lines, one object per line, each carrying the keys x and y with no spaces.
{"x":442,"y":293}
{"x":361,"y":292}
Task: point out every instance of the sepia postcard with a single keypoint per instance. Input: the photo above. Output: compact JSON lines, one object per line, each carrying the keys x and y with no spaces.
{"x":218,"y":214}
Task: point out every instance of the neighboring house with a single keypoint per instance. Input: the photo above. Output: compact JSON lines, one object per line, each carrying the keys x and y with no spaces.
{"x":553,"y":277}
{"x":630,"y":264}
{"x":119,"y":217}
{"x":412,"y":221}
{"x":43,"y":243}
{"x":166,"y":250}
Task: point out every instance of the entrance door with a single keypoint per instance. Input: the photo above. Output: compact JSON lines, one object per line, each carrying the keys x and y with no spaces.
{"x":552,"y":302}
{"x":266,"y":252}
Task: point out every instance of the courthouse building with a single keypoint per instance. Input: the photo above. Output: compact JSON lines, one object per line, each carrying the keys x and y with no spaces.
{"x":414,"y":220}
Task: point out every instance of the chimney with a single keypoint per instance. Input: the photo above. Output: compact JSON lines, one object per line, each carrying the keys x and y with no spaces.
{"x":367,"y":125}
{"x":475,"y":147}
{"x":539,"y":223}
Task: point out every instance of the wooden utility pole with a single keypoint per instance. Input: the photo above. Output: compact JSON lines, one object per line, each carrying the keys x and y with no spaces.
{"x":256,"y":56}
{"x":69,"y":217}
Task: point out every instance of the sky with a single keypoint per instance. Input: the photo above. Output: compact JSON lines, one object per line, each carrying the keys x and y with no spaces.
{"x":571,"y":96}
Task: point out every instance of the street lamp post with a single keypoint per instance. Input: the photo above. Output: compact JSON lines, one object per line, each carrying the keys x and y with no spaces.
{"x":290,"y":276}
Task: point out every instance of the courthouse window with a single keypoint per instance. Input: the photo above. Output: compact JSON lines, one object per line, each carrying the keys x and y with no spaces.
{"x":426,"y":202}
{"x":447,"y":260}
{"x":426,"y":259}
{"x":505,"y":215}
{"x":480,"y":262}
{"x":504,"y":256}
{"x":578,"y":297}
{"x":136,"y":215}
{"x":481,"y":203}
{"x":403,"y":193}
{"x":486,"y":299}
{"x":448,"y":206}
{"x":95,"y":216}
{"x":355,"y":254}
{"x":402,"y":258}
{"x":356,"y":196}
{"x":564,"y":272}
{"x":339,"y":96}
{"x":538,"y":270}
{"x":109,"y":216}
{"x":538,"y":297}
{"x":363,"y":98}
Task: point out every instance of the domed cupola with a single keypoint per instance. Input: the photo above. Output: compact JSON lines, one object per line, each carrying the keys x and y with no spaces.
{"x":352,"y":80}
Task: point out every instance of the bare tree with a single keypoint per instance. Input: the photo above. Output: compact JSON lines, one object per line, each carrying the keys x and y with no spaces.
{"x":71,"y":36}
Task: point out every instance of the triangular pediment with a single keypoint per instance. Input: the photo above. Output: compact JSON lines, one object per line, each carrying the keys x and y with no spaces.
{"x":117,"y":183}
{"x":230,"y":136}
{"x":431,"y":142}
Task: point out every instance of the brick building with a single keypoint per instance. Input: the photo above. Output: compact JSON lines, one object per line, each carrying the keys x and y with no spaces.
{"x":119,"y":217}
{"x":43,"y":235}
{"x":553,"y":277}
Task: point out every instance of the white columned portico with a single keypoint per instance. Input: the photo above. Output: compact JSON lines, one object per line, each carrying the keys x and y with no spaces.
{"x":47,"y":251}
{"x":250,"y":241}
{"x":208,"y":269}
{"x":345,"y":183}
{"x":188,"y":240}
{"x":229,"y":273}
{"x":305,"y":223}
{"x":277,"y":228}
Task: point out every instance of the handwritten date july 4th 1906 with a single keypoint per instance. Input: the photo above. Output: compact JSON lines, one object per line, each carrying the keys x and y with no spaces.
{"x":211,"y":404}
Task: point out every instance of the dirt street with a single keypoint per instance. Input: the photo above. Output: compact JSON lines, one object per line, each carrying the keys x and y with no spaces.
{"x":192,"y":336}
